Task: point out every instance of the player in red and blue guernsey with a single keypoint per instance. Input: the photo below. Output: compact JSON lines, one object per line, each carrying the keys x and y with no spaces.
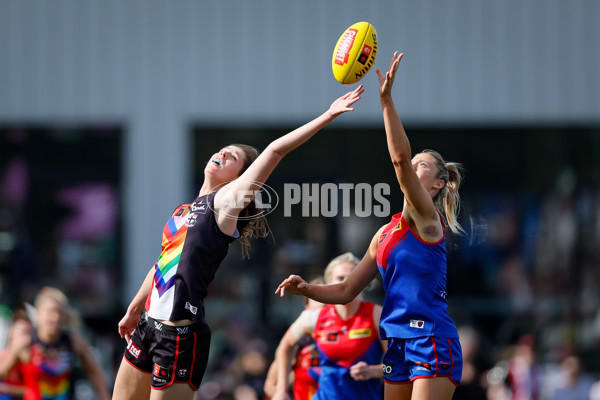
{"x":347,"y":340}
{"x":424,"y":357}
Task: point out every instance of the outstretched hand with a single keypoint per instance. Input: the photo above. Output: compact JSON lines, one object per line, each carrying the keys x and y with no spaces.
{"x":387,"y":81}
{"x":342,"y":104}
{"x":293,"y":284}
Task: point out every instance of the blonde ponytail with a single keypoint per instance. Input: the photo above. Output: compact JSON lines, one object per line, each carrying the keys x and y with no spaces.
{"x":451,"y":197}
{"x":448,"y":197}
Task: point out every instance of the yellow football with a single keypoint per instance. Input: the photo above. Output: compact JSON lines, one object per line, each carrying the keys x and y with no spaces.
{"x":354,"y":54}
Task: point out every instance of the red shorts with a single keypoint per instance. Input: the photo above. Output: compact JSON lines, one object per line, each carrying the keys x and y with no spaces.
{"x":172,"y":354}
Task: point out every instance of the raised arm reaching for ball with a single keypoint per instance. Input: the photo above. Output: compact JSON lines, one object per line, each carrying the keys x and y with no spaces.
{"x":410,"y":254}
{"x":168,"y":335}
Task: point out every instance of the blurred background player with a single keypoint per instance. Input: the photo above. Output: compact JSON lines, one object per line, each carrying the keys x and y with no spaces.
{"x":12,"y":385}
{"x":46,"y":355}
{"x":347,"y":339}
{"x":305,"y":364}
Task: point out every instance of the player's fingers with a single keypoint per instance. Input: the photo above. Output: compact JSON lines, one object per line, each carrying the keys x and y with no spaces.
{"x":353,"y":98}
{"x":396,"y":64}
{"x":129,"y":334}
{"x":281,"y":286}
{"x":285,"y":282}
{"x":393,"y":58}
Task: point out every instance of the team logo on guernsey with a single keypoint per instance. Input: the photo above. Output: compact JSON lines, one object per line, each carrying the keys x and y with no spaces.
{"x":332,"y":336}
{"x":327,"y":323}
{"x":415,"y":323}
{"x":397,"y":227}
{"x":359,"y":333}
{"x":191,"y":220}
{"x":382,"y":238}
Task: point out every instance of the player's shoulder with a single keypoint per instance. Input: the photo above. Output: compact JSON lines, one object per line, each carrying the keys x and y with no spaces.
{"x":305,"y":323}
{"x":309,"y":317}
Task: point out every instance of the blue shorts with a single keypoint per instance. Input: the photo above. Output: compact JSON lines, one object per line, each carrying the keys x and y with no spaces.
{"x":423,"y":357}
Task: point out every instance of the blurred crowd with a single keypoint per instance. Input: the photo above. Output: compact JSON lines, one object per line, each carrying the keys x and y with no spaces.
{"x":523,"y":286}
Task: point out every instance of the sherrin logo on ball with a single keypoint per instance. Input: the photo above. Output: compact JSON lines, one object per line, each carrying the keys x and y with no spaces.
{"x":354,"y":54}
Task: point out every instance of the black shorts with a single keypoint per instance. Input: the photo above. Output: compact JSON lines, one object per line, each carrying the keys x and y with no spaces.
{"x":172,"y":354}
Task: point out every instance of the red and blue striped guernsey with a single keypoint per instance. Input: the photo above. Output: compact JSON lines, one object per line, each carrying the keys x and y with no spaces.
{"x":342,"y":343}
{"x":414,"y":279}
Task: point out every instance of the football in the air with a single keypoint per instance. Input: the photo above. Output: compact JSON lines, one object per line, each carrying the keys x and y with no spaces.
{"x":355,"y":52}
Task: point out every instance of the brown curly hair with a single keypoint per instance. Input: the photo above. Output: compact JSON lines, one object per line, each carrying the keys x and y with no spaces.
{"x":250,"y":224}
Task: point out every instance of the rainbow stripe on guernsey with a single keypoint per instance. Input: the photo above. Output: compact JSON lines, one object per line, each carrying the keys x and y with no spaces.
{"x":55,"y":389}
{"x":174,"y":234}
